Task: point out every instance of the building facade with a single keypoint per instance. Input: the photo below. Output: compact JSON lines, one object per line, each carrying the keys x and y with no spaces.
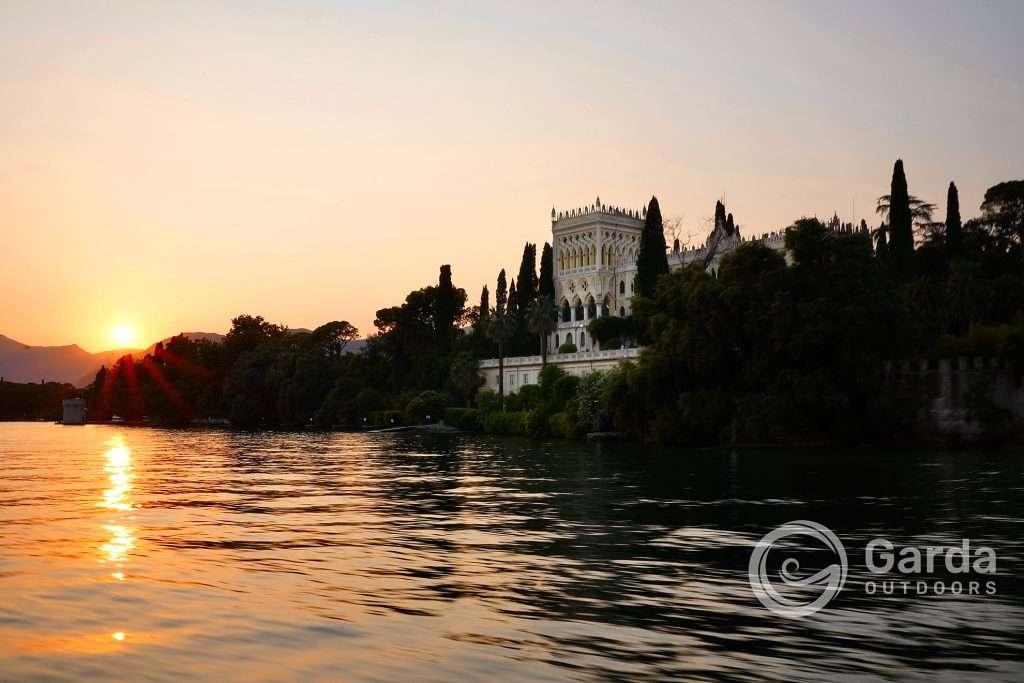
{"x":594,"y":250}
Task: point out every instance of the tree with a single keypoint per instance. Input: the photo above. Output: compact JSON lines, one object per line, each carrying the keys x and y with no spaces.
{"x":485,"y":304}
{"x":501,"y":295}
{"x":1003,"y":210}
{"x":953,"y":226}
{"x":651,"y":262}
{"x":513,"y":300}
{"x":901,"y":229}
{"x":449,"y":304}
{"x":501,"y":331}
{"x":881,"y":242}
{"x":526,"y":282}
{"x":546,"y":286}
{"x":542,"y":322}
{"x":465,"y":376}
{"x":247,"y":332}
{"x":334,"y":336}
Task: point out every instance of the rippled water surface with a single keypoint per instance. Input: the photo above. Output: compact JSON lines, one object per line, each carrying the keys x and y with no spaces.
{"x":137,"y":554}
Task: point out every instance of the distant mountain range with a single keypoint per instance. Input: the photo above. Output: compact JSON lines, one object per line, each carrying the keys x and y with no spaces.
{"x":72,"y":364}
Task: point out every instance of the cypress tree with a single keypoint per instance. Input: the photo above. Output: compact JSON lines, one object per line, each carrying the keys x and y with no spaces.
{"x":446,"y":307}
{"x":485,"y":303}
{"x":652,"y":261}
{"x":953,"y":224}
{"x":500,"y":295}
{"x":526,"y":282}
{"x":882,"y":246}
{"x":546,"y":286}
{"x":901,"y":229}
{"x":513,"y":298}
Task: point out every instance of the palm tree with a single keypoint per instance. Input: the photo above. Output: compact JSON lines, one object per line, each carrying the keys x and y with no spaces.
{"x":542,"y":322}
{"x":920,"y":211}
{"x":500,"y":331}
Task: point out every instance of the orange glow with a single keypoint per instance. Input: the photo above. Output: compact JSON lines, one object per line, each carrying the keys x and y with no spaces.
{"x":123,"y":335}
{"x":120,"y":475}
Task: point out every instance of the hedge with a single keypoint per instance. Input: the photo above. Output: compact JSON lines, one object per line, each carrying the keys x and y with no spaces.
{"x":510,"y":423}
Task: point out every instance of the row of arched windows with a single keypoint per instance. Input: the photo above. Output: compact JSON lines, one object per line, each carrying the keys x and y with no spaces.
{"x":583,"y":256}
{"x":577,"y":312}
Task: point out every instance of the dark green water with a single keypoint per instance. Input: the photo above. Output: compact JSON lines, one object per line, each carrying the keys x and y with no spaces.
{"x":137,"y":554}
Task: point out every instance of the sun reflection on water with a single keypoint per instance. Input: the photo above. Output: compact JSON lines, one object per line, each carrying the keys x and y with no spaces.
{"x":120,"y":474}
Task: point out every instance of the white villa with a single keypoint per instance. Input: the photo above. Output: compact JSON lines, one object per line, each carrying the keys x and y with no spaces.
{"x":594,"y":252}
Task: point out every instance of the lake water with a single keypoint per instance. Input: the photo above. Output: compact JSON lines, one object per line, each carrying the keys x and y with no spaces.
{"x":144,"y":554}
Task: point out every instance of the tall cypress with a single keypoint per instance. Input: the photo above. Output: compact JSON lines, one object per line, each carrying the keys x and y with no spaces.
{"x":526,"y":282}
{"x":501,"y":295}
{"x":546,"y":286}
{"x":446,"y":305}
{"x":901,"y":229}
{"x":513,"y":298}
{"x":953,"y":224}
{"x":882,"y":245}
{"x":652,"y":261}
{"x":485,"y":303}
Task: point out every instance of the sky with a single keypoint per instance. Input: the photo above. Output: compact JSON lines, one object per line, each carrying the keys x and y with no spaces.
{"x":169,"y":165}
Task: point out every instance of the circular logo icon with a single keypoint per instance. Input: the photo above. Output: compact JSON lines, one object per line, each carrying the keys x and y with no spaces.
{"x":794,"y":595}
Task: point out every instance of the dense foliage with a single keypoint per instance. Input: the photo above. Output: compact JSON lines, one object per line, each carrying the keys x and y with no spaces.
{"x":33,"y":401}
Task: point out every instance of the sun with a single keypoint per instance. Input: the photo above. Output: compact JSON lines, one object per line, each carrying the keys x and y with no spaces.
{"x":123,"y":335}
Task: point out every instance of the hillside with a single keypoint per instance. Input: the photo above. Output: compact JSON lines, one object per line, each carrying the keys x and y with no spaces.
{"x":72,"y":364}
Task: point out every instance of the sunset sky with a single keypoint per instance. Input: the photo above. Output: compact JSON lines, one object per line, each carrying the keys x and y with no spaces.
{"x":167,"y":166}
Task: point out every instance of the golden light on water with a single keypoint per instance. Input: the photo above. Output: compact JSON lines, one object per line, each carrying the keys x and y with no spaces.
{"x":120,"y":475}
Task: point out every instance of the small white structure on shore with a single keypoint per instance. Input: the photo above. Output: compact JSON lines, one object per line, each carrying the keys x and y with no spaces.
{"x":74,"y":411}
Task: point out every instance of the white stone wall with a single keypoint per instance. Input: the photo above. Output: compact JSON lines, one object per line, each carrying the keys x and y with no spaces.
{"x":523,"y":370}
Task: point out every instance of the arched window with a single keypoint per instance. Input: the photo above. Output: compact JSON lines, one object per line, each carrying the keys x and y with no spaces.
{"x":565,"y":311}
{"x":605,"y":305}
{"x":622,"y":311}
{"x":556,"y":341}
{"x":622,"y":286}
{"x":591,"y":308}
{"x":579,"y":310}
{"x":583,"y":339}
{"x":568,"y":337}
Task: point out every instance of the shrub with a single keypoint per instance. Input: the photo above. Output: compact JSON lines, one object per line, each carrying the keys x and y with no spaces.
{"x":565,"y":390}
{"x":466,"y":419}
{"x":606,"y":328}
{"x":548,"y":377}
{"x":563,"y":426}
{"x":589,"y":410}
{"x":486,"y":400}
{"x":613,"y":345}
{"x":529,"y":396}
{"x":513,"y":403}
{"x":427,"y":406}
{"x":567,"y":348}
{"x":537,"y":422}
{"x":498,"y":422}
{"x":386,"y":418}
